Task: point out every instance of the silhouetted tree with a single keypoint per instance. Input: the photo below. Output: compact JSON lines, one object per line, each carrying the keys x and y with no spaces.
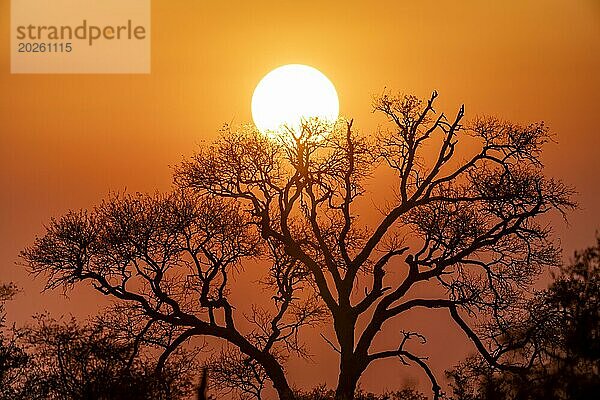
{"x":322,"y":393}
{"x":69,"y":361}
{"x":233,"y":372}
{"x":100,"y":360}
{"x":462,"y":219}
{"x":562,"y":325}
{"x":7,"y":292}
{"x":13,"y":357}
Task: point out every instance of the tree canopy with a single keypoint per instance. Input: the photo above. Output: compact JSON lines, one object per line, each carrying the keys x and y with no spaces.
{"x":562,"y":323}
{"x":464,"y":216}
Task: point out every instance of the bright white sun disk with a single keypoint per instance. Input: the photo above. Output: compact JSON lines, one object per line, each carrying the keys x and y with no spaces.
{"x":290,"y":94}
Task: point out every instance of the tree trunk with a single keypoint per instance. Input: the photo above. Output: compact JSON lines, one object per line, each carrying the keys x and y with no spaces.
{"x":277,"y":376}
{"x":347,"y":381}
{"x":284,"y":391}
{"x":350,"y":366}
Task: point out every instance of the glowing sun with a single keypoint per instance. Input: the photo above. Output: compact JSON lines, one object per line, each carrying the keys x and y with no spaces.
{"x":291,"y":94}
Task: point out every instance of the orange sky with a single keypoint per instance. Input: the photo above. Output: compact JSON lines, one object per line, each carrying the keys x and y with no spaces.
{"x":67,"y":140}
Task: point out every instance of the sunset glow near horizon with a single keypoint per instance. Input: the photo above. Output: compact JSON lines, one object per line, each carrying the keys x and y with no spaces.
{"x":291,"y":94}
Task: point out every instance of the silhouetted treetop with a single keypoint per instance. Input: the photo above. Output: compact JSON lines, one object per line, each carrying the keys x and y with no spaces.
{"x":463,"y":215}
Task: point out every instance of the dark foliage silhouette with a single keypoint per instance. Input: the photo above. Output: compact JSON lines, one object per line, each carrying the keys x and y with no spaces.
{"x":562,"y":324}
{"x":462,"y":219}
{"x":13,"y":357}
{"x":69,"y":361}
{"x":322,"y":393}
